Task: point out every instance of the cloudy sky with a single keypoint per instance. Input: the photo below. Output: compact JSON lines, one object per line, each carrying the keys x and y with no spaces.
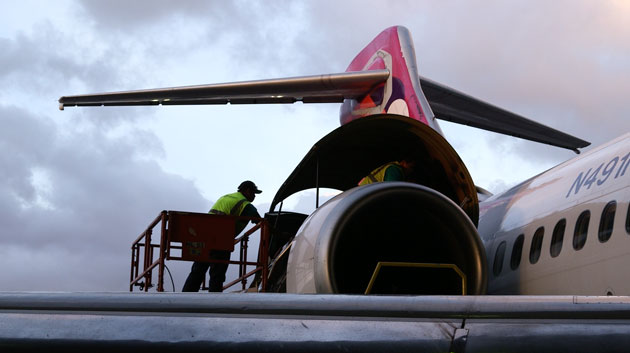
{"x":76,"y":187}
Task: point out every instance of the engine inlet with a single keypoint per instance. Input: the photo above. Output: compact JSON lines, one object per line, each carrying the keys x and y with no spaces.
{"x":414,"y":227}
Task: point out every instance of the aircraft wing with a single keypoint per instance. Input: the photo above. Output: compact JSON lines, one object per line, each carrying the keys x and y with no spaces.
{"x":447,"y":103}
{"x":452,"y":105}
{"x":127,"y":322}
{"x":330,"y":88}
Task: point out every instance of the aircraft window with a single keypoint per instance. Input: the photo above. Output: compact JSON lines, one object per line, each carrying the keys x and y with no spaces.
{"x":534,"y":251}
{"x":517,"y":250}
{"x":558,"y":237}
{"x":498,"y":259}
{"x":581,"y":230}
{"x":606,"y":222}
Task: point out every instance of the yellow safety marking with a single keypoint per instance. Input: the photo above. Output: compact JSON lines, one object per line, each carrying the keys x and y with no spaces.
{"x":415,"y":264}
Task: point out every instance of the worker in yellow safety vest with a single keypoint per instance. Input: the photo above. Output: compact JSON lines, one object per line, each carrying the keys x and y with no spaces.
{"x":235,"y":204}
{"x":392,"y":171}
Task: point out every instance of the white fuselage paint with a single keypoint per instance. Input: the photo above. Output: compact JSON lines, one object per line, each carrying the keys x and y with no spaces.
{"x":587,"y":182}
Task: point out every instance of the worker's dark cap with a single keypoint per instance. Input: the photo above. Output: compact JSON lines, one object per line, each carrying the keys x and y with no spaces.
{"x":247,"y":184}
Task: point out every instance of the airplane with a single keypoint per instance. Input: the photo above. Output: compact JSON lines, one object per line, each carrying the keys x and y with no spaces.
{"x":542,"y":265}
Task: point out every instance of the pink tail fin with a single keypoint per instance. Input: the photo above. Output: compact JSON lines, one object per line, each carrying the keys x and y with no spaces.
{"x":392,"y":49}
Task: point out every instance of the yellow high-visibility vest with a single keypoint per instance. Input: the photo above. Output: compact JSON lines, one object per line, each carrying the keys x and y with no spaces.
{"x":378,"y":174}
{"x":230,"y":204}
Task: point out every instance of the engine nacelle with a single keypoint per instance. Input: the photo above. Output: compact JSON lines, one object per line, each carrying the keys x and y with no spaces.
{"x":337,"y":248}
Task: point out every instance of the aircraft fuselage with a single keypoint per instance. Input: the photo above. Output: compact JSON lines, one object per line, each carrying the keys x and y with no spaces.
{"x":574,"y":222}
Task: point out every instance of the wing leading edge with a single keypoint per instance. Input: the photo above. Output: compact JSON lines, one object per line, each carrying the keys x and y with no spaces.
{"x":446,"y":103}
{"x":330,"y":88}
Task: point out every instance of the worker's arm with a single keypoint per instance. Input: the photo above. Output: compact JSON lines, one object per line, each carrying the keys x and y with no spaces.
{"x":394,"y":173}
{"x":250,"y":211}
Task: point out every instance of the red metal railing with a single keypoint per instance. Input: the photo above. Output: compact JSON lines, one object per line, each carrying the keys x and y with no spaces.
{"x":194,"y":235}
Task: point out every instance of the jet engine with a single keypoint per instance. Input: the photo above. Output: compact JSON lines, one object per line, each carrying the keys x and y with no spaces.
{"x":414,"y":237}
{"x":425,"y":242}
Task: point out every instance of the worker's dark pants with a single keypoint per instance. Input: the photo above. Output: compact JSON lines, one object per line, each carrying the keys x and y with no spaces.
{"x":217,"y":273}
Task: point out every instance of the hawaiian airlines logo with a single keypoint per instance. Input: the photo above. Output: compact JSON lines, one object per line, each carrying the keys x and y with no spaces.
{"x":388,"y":98}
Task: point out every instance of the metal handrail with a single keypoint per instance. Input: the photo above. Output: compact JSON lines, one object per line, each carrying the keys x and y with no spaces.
{"x":144,"y":242}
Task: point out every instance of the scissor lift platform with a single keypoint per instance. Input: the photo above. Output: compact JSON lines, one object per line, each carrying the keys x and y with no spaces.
{"x":188,"y":236}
